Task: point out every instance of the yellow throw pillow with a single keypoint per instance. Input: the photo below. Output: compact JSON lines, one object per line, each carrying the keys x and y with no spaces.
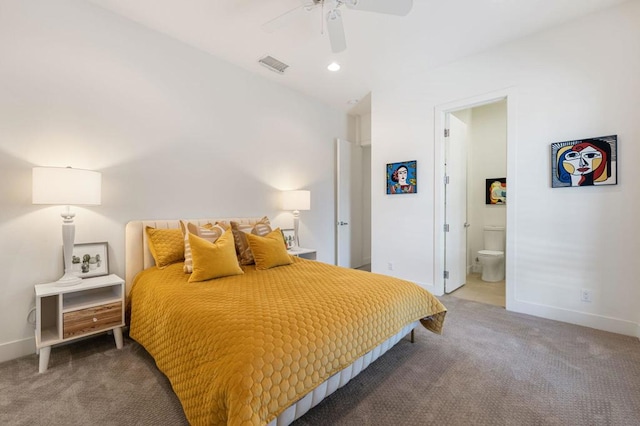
{"x":213,"y":260}
{"x":240,"y":231}
{"x":269,"y":251}
{"x":166,"y":245}
{"x":207,"y":231}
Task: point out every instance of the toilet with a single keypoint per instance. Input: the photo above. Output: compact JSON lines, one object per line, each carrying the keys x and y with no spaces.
{"x":492,"y":257}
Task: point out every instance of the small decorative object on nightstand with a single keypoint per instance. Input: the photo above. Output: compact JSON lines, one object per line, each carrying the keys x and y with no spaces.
{"x":64,"y":314}
{"x":303,"y":253}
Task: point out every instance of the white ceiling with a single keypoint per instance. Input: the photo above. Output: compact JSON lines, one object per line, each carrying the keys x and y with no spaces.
{"x":380,"y":48}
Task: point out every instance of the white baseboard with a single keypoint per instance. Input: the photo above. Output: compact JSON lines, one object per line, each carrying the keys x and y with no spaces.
{"x":599,"y":322}
{"x":17,"y":349}
{"x":429,"y":287}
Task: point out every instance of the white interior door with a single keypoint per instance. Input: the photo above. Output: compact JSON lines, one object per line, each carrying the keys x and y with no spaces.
{"x":348,"y":203}
{"x":455,"y":232}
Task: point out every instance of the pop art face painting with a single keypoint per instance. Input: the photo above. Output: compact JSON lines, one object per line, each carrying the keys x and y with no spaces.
{"x":585,"y":162}
{"x":401,"y":178}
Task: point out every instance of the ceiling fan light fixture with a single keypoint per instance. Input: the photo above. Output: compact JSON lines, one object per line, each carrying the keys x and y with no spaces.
{"x":333,"y":66}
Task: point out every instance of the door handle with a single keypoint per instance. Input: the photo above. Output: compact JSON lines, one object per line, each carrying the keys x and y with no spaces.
{"x":341,"y":223}
{"x":467,"y":224}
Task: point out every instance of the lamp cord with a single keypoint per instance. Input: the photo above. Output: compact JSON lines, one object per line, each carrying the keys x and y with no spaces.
{"x":30,"y":318}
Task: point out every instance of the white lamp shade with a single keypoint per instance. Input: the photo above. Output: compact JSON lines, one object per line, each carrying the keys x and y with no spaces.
{"x":66,"y":186}
{"x":296,"y":200}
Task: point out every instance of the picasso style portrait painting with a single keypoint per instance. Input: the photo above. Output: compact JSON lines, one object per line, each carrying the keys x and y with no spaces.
{"x":496,"y":191}
{"x":585,"y":162}
{"x":401,"y":178}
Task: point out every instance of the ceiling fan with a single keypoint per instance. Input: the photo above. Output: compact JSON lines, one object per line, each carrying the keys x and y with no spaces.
{"x":333,"y":16}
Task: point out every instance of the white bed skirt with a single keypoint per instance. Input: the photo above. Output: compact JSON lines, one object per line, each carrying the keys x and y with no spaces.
{"x":341,"y":378}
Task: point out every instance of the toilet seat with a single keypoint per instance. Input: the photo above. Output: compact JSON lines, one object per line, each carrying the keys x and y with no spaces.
{"x":492,"y":253}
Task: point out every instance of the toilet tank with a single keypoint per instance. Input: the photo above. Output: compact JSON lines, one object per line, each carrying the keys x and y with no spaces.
{"x":494,"y":238}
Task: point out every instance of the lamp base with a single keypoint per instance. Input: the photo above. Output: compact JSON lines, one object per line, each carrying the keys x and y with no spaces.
{"x":68,"y":279}
{"x":296,"y":225}
{"x":68,"y":236}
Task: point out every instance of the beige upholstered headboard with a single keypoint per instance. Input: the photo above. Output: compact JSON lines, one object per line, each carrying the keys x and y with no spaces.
{"x":137,"y":254}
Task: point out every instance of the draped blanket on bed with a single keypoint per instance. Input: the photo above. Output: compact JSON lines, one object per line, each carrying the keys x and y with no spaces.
{"x":239,"y":350}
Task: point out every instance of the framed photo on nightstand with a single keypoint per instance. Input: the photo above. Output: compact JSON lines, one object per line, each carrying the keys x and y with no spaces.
{"x":90,"y":260}
{"x":288,"y":237}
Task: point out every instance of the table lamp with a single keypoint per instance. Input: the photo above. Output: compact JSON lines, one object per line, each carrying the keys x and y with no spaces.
{"x":296,"y":201}
{"x":66,"y":186}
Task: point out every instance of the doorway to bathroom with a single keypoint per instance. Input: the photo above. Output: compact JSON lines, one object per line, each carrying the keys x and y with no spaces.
{"x":475,"y":158}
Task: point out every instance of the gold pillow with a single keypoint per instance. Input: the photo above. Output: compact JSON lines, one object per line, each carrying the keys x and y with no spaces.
{"x":207,"y":231}
{"x":213,"y":260}
{"x":240,"y":231}
{"x":166,"y":245}
{"x":269,"y":251}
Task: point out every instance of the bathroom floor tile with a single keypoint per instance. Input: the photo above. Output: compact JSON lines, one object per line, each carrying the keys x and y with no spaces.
{"x":480,"y":291}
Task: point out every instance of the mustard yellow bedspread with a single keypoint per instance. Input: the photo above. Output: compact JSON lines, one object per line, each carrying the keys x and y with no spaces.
{"x":239,"y":350}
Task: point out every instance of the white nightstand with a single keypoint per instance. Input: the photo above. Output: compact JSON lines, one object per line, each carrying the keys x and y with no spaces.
{"x":67,"y":313}
{"x":303,"y":253}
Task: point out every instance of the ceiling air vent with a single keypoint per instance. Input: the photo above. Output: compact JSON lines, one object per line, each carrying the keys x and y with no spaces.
{"x":273,"y":64}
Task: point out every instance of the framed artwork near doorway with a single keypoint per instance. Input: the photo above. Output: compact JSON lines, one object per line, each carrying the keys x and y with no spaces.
{"x":402,"y":177}
{"x":585,"y":162}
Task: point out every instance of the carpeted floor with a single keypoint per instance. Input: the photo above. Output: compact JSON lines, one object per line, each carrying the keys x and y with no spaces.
{"x":491,"y":367}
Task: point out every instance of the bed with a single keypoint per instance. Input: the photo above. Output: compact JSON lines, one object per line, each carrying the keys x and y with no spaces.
{"x":263,"y":345}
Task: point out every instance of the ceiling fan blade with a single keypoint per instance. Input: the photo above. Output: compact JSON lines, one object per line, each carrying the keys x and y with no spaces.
{"x":288,"y":16}
{"x":335,"y":29}
{"x":391,"y":7}
{"x":281,"y":21}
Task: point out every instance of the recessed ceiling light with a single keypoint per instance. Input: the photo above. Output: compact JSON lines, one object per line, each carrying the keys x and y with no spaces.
{"x":333,"y":66}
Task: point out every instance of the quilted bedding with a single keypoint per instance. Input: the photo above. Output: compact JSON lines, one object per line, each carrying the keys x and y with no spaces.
{"x":239,"y":350}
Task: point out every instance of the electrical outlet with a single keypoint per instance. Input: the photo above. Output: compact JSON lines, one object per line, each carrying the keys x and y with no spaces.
{"x":585,"y":295}
{"x":390,"y":266}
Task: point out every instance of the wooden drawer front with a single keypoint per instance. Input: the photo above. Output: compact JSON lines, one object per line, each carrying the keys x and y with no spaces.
{"x":88,"y":320}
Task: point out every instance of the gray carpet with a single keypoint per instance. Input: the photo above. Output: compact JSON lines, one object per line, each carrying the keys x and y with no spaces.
{"x":491,"y":367}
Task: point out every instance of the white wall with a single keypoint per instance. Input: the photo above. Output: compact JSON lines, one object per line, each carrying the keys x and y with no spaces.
{"x":487,"y":159}
{"x":574,"y":81}
{"x":176,"y":133}
{"x":356,"y":225}
{"x":366,"y":204}
{"x":364,"y":140}
{"x":365,"y":129}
